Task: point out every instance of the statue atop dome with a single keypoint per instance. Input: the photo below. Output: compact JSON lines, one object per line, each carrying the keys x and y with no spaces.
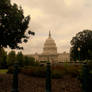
{"x":49,"y":34}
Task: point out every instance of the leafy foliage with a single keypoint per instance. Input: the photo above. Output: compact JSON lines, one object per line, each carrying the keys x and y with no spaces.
{"x":20,"y":59}
{"x":29,"y":61}
{"x":13,"y":25}
{"x":3,"y":59}
{"x":57,"y":71}
{"x":11,"y":58}
{"x":82,"y":40}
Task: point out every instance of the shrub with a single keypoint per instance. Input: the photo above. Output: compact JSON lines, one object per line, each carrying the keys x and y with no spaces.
{"x":74,"y":70}
{"x":10,"y":69}
{"x":66,"y":69}
{"x":34,"y":71}
{"x":1,"y":79}
{"x":57,"y":74}
{"x":57,"y":71}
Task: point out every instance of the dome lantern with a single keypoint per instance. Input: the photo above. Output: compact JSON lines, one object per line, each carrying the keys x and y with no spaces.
{"x":49,"y":34}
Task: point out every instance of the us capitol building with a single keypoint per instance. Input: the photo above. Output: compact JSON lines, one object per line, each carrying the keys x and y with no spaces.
{"x":50,"y":52}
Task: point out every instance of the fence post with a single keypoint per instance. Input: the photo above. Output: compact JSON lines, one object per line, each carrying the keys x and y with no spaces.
{"x":85,"y":78}
{"x":48,"y":78}
{"x":15,"y":79}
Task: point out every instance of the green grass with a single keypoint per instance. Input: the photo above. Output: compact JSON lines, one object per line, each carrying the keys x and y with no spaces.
{"x":3,"y":71}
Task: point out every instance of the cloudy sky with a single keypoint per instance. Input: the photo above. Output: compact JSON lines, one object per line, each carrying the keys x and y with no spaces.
{"x":64,"y":18}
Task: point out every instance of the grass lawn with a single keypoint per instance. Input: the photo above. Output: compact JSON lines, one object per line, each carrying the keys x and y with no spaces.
{"x":3,"y":71}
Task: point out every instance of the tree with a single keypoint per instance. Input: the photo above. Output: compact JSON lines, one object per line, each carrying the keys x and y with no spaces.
{"x":13,"y":25}
{"x":20,"y":58}
{"x":29,"y":61}
{"x":3,"y":58}
{"x":82,"y":40}
{"x":11,"y":58}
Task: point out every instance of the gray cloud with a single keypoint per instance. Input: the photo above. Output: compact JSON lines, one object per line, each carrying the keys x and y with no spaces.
{"x":63,"y":17}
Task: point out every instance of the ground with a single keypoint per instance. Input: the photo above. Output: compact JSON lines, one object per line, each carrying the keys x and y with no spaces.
{"x":34,"y":84}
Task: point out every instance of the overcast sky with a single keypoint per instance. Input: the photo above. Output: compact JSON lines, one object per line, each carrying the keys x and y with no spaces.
{"x":64,"y":18}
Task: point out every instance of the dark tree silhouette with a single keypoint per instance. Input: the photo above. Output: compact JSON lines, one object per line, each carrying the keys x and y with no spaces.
{"x":13,"y":25}
{"x":3,"y":59}
{"x":82,"y":40}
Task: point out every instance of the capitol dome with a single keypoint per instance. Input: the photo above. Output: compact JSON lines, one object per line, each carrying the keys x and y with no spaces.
{"x":50,"y":46}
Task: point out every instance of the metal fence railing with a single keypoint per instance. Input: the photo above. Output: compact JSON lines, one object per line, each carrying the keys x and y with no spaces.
{"x":17,"y":83}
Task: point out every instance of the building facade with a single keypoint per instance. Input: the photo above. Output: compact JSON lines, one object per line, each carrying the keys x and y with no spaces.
{"x":50,"y":52}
